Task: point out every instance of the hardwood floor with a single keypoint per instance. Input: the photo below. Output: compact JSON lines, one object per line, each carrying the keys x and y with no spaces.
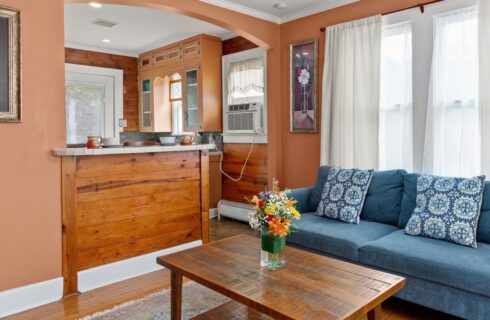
{"x":76,"y":306}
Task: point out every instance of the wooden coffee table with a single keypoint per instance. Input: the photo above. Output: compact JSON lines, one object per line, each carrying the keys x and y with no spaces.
{"x":310,"y":286}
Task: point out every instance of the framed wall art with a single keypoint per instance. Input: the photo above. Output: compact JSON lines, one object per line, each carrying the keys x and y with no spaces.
{"x":304,"y":84}
{"x":10,"y":65}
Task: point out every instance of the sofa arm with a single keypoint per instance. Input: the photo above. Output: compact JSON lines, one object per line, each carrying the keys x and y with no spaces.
{"x":302,"y":195}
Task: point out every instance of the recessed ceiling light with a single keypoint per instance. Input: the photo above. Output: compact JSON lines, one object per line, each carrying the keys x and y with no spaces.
{"x":106,"y":40}
{"x":281,"y":5}
{"x":95,"y":4}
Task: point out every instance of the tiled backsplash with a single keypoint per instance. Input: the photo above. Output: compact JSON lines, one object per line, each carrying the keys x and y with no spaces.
{"x":154,"y":136}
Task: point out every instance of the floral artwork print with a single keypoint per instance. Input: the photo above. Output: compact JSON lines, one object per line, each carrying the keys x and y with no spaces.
{"x":303,"y":90}
{"x":447,"y":209}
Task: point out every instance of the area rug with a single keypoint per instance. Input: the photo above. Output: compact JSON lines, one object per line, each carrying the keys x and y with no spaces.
{"x":196,"y":299}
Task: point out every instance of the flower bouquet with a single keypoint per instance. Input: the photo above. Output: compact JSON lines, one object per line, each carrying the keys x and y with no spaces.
{"x":274,"y":215}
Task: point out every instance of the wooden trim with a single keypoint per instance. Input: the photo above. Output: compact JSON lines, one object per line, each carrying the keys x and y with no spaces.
{"x":205,"y":196}
{"x":69,"y":227}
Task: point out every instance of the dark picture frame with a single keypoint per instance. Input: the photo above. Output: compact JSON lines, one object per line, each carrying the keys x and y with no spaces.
{"x":304,"y":86}
{"x":10,"y":94}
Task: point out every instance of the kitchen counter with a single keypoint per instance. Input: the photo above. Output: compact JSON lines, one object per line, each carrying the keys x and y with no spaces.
{"x":63,"y":152}
{"x":120,"y":203}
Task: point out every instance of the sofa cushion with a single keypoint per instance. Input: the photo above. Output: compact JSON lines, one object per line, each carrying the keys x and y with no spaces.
{"x":316,"y":194}
{"x":409,"y":198}
{"x":384,"y":197}
{"x":448,"y":209}
{"x":483,"y":232}
{"x":433,"y":260}
{"x":336,"y":238}
{"x":344,"y":193}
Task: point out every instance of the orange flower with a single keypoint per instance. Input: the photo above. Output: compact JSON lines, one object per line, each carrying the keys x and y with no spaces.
{"x":255,"y":200}
{"x":277,"y":228}
{"x":290,"y":203}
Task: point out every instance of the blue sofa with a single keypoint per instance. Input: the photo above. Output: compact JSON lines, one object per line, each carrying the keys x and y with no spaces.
{"x":440,"y":275}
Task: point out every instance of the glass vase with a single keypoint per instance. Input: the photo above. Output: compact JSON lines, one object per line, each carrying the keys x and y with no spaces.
{"x":272,"y":254}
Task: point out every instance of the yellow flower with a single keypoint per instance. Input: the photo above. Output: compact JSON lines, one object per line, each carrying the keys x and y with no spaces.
{"x":295,"y":213}
{"x":271,"y":209}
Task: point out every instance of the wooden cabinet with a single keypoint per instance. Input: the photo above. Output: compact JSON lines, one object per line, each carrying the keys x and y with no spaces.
{"x":191,"y":49}
{"x":173,"y":55}
{"x":155,"y":106}
{"x":198,"y":60}
{"x":146,"y":105}
{"x":192,"y":102}
{"x":146,"y":62}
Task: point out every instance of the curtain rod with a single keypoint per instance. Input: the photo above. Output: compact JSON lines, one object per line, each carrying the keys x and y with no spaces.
{"x":421,"y":6}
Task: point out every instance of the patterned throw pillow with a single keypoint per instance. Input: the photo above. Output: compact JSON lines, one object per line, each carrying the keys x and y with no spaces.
{"x":447,"y":209}
{"x":344,"y":193}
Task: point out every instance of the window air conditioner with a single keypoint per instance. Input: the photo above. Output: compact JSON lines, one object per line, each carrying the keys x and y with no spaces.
{"x":244,"y":118}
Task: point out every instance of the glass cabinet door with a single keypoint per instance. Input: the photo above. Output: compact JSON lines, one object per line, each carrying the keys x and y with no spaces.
{"x":146,"y":104}
{"x":192,"y":100}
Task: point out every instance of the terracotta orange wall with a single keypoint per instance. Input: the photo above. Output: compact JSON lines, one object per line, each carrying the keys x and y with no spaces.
{"x":30,"y":178}
{"x":301,"y":152}
{"x":30,"y":192}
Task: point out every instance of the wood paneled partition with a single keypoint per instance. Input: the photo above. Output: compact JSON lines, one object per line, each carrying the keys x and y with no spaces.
{"x":254,"y":178}
{"x":120,"y":206}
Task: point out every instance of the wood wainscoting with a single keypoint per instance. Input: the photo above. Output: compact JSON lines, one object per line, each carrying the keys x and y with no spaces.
{"x":121,"y":206}
{"x":254,"y":178}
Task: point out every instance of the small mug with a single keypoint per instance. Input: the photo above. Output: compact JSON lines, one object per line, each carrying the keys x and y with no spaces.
{"x":93,"y":142}
{"x":187,"y":139}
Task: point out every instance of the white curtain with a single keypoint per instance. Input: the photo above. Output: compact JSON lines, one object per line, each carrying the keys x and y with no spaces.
{"x":351,"y":94}
{"x":484,"y":85}
{"x":245,"y":80}
{"x":452,"y":145}
{"x":395,"y":118}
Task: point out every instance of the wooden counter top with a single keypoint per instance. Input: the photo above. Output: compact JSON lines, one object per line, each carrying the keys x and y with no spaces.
{"x":63,"y":152}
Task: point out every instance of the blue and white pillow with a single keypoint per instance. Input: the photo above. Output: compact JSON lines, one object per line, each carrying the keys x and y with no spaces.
{"x":447,"y":209}
{"x":344,"y":193}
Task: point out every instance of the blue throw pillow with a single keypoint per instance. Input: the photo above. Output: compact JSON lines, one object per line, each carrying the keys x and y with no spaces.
{"x":447,"y":208}
{"x":344,"y":193}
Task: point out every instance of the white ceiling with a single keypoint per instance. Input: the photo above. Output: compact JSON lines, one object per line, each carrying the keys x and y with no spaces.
{"x":138,"y":29}
{"x":265,"y":9}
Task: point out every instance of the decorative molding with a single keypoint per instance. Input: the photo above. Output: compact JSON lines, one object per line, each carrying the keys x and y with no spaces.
{"x":101,"y":50}
{"x":307,"y":11}
{"x":114,"y":272}
{"x":317,"y":8}
{"x":27,"y":297}
{"x":243,"y":9}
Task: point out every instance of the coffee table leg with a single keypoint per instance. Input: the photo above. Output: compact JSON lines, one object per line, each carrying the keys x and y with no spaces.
{"x":176,"y":295}
{"x":374,"y":314}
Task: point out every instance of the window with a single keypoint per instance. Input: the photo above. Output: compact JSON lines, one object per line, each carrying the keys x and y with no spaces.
{"x":93,"y":102}
{"x":429,"y":119}
{"x":452,"y":136}
{"x":395,"y":119}
{"x":246,"y":81}
{"x":176,"y":103}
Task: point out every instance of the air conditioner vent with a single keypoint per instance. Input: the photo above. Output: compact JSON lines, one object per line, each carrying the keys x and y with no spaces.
{"x":104,"y":23}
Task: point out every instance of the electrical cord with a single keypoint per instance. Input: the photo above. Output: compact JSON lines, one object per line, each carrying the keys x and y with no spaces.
{"x":244,"y":164}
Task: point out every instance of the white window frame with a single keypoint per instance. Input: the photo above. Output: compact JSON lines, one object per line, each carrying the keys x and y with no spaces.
{"x":118,"y":94}
{"x":227,"y":60}
{"x":422,"y":44}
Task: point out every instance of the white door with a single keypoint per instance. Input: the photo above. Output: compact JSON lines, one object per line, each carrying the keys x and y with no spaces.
{"x":93,"y":98}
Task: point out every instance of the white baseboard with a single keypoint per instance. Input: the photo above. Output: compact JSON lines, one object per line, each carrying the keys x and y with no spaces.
{"x":126,"y":269}
{"x":213,"y":213}
{"x":34,"y":295}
